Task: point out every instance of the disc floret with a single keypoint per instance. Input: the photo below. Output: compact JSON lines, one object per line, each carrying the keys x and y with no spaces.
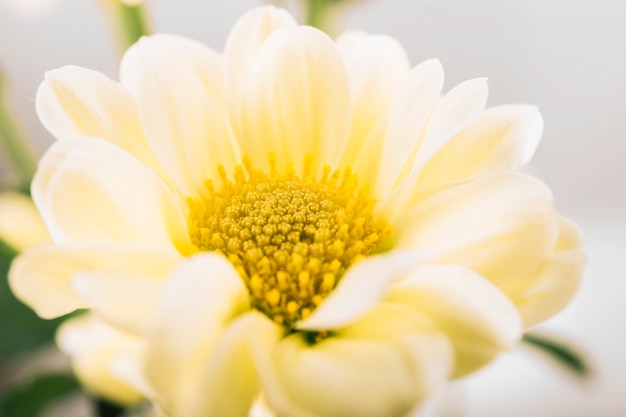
{"x":291,"y":238}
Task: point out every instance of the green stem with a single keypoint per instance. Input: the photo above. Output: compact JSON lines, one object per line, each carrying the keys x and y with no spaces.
{"x":14,"y":142}
{"x":319,"y":14}
{"x":129,"y":22}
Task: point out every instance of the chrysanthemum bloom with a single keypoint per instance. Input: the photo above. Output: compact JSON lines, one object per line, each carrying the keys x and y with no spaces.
{"x":304,"y":220}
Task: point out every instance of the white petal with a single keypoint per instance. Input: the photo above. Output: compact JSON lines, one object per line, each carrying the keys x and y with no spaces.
{"x":181,"y":123}
{"x":503,"y":138}
{"x":197,"y":301}
{"x":230,"y":382}
{"x":548,"y":289}
{"x":376,"y":64}
{"x":88,"y":190}
{"x":244,"y":43}
{"x":20,"y":224}
{"x":456,"y":110}
{"x":500,"y":226}
{"x":409,"y":111}
{"x":123,"y":299}
{"x":359,"y":290}
{"x":478,"y":318}
{"x":42,"y":276}
{"x":382,"y":366}
{"x":74,"y":101}
{"x":296,"y":100}
{"x":93,"y":346}
{"x":205,"y":62}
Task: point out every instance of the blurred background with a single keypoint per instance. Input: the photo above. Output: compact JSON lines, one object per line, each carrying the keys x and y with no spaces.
{"x":566,"y":56}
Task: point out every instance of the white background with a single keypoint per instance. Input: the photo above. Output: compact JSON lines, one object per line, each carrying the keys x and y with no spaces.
{"x":566,"y":56}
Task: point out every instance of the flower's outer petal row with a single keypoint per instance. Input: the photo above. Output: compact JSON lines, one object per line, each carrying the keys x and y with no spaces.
{"x":478,"y":318}
{"x":296,"y":100}
{"x":43,"y":276}
{"x":196,"y":302}
{"x":88,"y":190}
{"x":182,"y":124}
{"x":376,"y":64}
{"x":75,"y":101}
{"x":21,"y":226}
{"x":453,"y":112}
{"x":93,"y":347}
{"x":363,"y":285}
{"x":389,"y":361}
{"x":410,"y":109}
{"x":125,"y":300}
{"x":503,"y":138}
{"x":551,"y":286}
{"x":230,"y":383}
{"x":501,"y":226}
{"x":242,"y":47}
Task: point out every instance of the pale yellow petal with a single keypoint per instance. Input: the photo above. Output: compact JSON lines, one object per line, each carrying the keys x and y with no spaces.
{"x":360,"y":290}
{"x":454,"y":111}
{"x":196,"y":303}
{"x":230,"y":383}
{"x":381,"y":366}
{"x":410,"y":110}
{"x":42,"y":277}
{"x":125,"y":300}
{"x":182,"y":125}
{"x":206,"y":63}
{"x":550,"y":287}
{"x":503,"y":138}
{"x":93,"y":346}
{"x":75,"y":101}
{"x":244,"y":43}
{"x":474,"y":314}
{"x":88,"y":190}
{"x":296,"y":100}
{"x":21,"y":226}
{"x":376,"y":64}
{"x":500,"y":226}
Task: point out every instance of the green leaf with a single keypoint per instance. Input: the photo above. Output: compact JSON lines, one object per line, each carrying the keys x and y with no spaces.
{"x":21,"y":329}
{"x":564,"y":355}
{"x":30,"y":399}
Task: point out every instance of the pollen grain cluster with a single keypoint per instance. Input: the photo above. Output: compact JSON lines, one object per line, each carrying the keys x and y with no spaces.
{"x":291,"y":238}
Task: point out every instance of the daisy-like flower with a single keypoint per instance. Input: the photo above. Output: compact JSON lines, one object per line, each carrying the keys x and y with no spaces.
{"x":304,"y":221}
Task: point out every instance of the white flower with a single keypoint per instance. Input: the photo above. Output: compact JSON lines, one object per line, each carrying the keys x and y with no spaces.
{"x":196,"y":206}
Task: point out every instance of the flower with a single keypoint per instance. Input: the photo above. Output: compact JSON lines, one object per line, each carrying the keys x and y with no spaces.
{"x":304,"y":221}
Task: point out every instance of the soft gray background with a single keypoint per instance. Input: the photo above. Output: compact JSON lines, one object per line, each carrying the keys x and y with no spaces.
{"x":566,"y":56}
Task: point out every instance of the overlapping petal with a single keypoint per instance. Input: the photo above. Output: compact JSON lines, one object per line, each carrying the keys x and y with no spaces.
{"x":474,"y":314}
{"x":94,"y":346}
{"x":389,"y":360}
{"x":43,"y":277}
{"x":296,"y":100}
{"x":90,"y":191}
{"x":548,"y":289}
{"x":500,"y":226}
{"x":182,"y":124}
{"x":200,"y":297}
{"x":75,"y":101}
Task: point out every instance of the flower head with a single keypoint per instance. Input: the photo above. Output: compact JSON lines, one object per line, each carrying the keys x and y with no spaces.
{"x":302,"y":219}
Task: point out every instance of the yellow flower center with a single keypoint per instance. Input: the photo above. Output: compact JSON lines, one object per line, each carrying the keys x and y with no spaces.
{"x":290,"y":238}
